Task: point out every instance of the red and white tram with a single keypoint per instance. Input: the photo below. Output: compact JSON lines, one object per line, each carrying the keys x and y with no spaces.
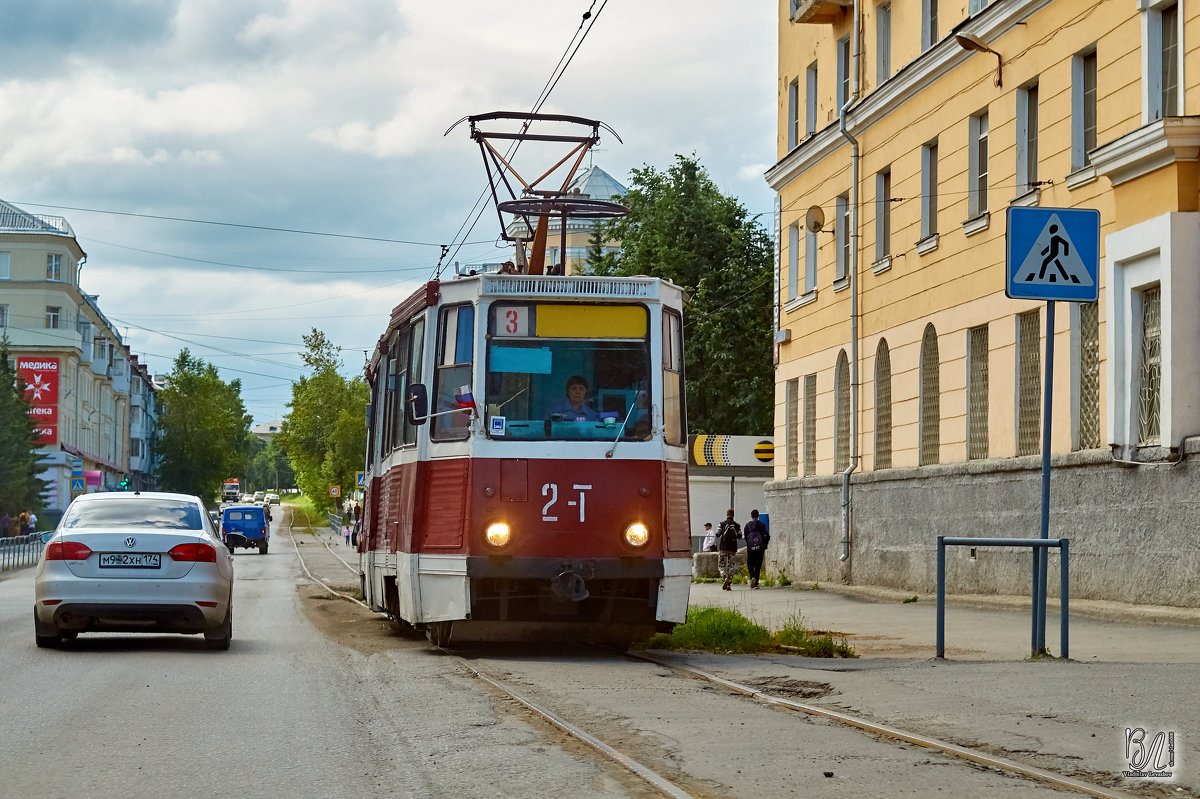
{"x":526,"y":464}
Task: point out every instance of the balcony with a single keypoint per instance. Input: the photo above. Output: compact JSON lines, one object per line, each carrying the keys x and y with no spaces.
{"x":819,"y":12}
{"x":14,"y":220}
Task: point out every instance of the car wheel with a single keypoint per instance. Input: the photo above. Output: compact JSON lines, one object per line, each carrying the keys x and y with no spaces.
{"x":263,"y":548}
{"x":230,"y":548}
{"x":69,"y":635}
{"x":46,"y":636}
{"x":219,"y":637}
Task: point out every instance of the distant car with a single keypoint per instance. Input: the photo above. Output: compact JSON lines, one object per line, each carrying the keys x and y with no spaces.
{"x":143,"y":562}
{"x":259,"y":496}
{"x":215,"y":517}
{"x":273,"y":499}
{"x":247,"y":498}
{"x":245,"y":526}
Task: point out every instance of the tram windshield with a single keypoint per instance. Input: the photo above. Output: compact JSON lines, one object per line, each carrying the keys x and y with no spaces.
{"x":558,"y":371}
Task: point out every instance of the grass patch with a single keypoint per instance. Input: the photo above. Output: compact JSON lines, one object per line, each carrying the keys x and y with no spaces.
{"x":723,"y":630}
{"x":303,"y":512}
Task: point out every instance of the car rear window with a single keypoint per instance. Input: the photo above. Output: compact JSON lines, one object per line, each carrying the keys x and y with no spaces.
{"x":240,"y":515}
{"x":164,"y":514}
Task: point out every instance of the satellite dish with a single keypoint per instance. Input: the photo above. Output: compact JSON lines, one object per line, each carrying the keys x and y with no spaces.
{"x":814,"y":220}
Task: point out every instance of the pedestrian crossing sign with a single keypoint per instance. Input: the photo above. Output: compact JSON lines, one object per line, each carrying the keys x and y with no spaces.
{"x":1053,"y":254}
{"x":77,"y":486}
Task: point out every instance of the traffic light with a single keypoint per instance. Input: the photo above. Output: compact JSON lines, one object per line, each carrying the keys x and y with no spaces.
{"x":125,"y":483}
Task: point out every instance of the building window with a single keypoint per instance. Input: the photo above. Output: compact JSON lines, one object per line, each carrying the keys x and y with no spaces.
{"x":929,"y":23}
{"x":1163,"y":62}
{"x":793,"y":260}
{"x":883,"y":214}
{"x":977,"y":392}
{"x":5,"y":257}
{"x":1027,"y":137}
{"x":1089,"y":375}
{"x":135,"y":447}
{"x":810,"y":99}
{"x":135,"y":416}
{"x":3,"y":316}
{"x":810,"y":261}
{"x":931,"y":398}
{"x":975,"y":6}
{"x":791,"y":421}
{"x":793,"y":119}
{"x":1029,"y":383}
{"x":977,"y":166}
{"x":843,"y":72}
{"x":841,"y":401}
{"x":1150,"y":373}
{"x":100,"y":349}
{"x":53,"y":314}
{"x":883,"y":43}
{"x":1083,"y":108}
{"x":53,"y":266}
{"x":883,"y":406}
{"x":929,"y":189}
{"x":810,"y":424}
{"x":842,"y":229}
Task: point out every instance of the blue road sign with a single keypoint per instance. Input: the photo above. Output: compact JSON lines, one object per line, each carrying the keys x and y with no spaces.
{"x":360,"y":479}
{"x":77,"y":486}
{"x":1053,"y":254}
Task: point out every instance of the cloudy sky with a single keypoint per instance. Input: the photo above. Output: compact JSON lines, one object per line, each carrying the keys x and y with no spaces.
{"x":294,"y":118}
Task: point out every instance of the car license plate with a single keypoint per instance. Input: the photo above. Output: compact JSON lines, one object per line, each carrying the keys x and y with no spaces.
{"x":130,"y":560}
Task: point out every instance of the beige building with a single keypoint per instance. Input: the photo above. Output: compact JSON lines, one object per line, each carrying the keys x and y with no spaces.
{"x":593,"y":183}
{"x":70,"y":355}
{"x":909,"y":387}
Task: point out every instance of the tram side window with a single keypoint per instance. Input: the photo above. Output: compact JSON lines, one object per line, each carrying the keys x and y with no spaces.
{"x":399,"y":349}
{"x":453,"y":389}
{"x":373,"y":425}
{"x":389,"y":399}
{"x":416,"y":373}
{"x":673,"y":409}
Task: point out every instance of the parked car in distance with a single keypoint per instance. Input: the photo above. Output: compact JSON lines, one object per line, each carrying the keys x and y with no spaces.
{"x":273,"y":499}
{"x":145,"y":562}
{"x":245,"y":526}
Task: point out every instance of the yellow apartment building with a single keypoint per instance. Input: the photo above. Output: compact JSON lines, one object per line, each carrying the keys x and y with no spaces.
{"x":909,"y":398}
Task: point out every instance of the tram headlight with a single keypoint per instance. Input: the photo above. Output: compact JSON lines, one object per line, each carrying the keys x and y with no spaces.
{"x":497,"y":534}
{"x":637,"y":534}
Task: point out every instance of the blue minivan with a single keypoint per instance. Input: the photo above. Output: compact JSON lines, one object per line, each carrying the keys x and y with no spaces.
{"x":245,"y":526}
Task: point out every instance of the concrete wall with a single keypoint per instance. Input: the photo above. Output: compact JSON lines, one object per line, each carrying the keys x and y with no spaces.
{"x":1133,"y":529}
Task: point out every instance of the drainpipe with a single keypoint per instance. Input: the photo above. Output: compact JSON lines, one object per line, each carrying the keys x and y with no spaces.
{"x":853,"y":234}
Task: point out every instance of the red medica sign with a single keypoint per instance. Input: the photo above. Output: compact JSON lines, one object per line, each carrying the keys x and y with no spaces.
{"x":40,"y":374}
{"x":41,"y":379}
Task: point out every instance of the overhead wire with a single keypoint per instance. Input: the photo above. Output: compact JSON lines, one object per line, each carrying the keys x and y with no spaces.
{"x":564,"y":61}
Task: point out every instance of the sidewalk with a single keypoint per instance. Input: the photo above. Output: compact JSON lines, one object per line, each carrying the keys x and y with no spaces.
{"x":879,"y":624}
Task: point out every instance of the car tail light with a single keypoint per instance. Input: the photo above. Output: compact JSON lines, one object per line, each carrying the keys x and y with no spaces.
{"x":198,"y":552}
{"x":68,"y":550}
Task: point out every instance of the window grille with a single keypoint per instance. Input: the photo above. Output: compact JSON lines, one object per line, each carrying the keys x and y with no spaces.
{"x":792,"y":425}
{"x":931,"y":416}
{"x":1089,"y":375}
{"x":841,"y":457}
{"x":1029,"y":383}
{"x":1150,"y":383}
{"x":977,"y":411}
{"x":883,"y":407}
{"x":810,"y":424}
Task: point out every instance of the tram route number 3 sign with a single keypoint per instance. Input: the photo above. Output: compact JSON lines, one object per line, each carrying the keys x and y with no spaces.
{"x":335,"y":491}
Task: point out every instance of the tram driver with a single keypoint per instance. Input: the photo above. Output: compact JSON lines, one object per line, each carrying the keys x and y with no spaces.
{"x":575,"y":407}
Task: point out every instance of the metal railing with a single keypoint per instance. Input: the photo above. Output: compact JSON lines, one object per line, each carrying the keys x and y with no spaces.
{"x":335,"y":523}
{"x":1038,"y":625}
{"x":19,"y":551}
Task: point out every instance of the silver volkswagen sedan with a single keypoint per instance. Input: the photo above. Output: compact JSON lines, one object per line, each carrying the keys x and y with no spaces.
{"x":134,"y":562}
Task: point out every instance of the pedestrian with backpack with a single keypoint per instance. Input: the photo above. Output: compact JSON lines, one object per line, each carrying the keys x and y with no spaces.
{"x":727,"y":546}
{"x":757,"y":539}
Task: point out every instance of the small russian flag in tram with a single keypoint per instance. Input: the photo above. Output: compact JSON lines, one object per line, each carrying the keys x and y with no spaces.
{"x":464,"y":397}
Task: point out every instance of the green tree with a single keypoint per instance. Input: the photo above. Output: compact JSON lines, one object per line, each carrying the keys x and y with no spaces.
{"x":683,"y":229}
{"x":204,"y":427}
{"x":21,"y":484}
{"x":324,"y":433}
{"x":269,"y":468}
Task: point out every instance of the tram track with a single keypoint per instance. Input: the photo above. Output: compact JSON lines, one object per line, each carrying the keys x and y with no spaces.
{"x":668,"y":787}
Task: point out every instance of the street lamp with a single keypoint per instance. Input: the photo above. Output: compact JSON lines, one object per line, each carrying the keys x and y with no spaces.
{"x":969,"y":41}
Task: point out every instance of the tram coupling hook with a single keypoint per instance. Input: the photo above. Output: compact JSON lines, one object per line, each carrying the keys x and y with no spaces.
{"x":568,"y":585}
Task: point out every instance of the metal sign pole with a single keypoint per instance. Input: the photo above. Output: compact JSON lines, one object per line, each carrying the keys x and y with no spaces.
{"x":1047,"y":406}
